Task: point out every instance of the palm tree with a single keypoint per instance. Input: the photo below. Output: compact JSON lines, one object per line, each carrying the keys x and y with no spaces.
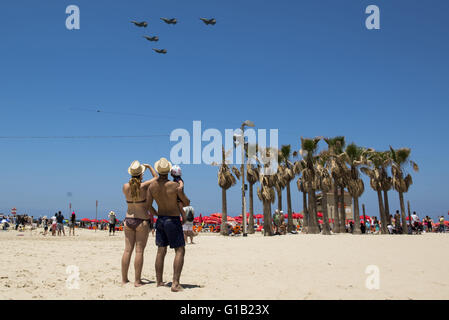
{"x":325,"y":186}
{"x":335,"y":149}
{"x":399,"y":158}
{"x":374,"y":171}
{"x":279,"y":185}
{"x":288,"y":175}
{"x":266,"y":192}
{"x":301,"y":188}
{"x":252,"y":175}
{"x":310,"y":179}
{"x":386,"y":182}
{"x":355,"y":156}
{"x":225,"y":181}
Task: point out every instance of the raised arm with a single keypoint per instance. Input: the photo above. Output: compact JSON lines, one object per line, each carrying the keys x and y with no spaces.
{"x":153,"y":172}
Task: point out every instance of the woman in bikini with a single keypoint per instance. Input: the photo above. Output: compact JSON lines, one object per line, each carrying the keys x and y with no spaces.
{"x":137,"y":221}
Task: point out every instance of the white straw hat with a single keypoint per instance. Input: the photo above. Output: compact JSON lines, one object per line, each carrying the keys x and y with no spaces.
{"x":136,"y":169}
{"x":163,"y":166}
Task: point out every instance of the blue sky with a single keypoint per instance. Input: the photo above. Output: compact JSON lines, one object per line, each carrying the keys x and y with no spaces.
{"x":307,"y":68}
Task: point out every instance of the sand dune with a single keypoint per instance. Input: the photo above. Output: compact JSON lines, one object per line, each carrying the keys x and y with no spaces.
{"x":281,"y":267}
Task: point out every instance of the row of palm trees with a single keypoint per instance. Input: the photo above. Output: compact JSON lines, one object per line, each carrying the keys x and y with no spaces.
{"x":335,"y":169}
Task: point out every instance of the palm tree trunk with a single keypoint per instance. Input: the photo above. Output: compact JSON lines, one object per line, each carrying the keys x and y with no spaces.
{"x":279,"y":193}
{"x":313,"y":219}
{"x":336,"y":228}
{"x":267,"y":227}
{"x":382,"y":212}
{"x":305,"y":211}
{"x":290,"y":226}
{"x":224,"y":215}
{"x":404,"y":221}
{"x":357,"y":229}
{"x":387,"y":207}
{"x":251,"y":210}
{"x":342,"y":211}
{"x":326,"y":227}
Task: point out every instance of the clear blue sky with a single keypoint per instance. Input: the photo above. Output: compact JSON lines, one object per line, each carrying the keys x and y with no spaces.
{"x":306,"y":67}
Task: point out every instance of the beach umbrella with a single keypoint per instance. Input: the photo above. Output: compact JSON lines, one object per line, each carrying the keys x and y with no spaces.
{"x":320,"y":221}
{"x":259,"y":216}
{"x":85,"y":220}
{"x":105,"y":221}
{"x":94,"y":220}
{"x":319,"y":214}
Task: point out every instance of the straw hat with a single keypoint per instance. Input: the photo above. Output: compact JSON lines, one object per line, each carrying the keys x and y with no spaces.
{"x":163,"y":166}
{"x":136,"y":169}
{"x":112,"y":213}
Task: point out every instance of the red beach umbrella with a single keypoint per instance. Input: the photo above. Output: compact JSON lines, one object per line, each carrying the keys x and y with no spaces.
{"x":320,"y":214}
{"x":85,"y":220}
{"x":258,"y":216}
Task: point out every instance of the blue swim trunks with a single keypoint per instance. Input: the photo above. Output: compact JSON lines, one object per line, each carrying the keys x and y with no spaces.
{"x":169,"y":232}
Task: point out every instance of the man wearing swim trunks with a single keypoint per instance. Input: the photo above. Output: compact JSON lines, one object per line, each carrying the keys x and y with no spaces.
{"x":168,"y":225}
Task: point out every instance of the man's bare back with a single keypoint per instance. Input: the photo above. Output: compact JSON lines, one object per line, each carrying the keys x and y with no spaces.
{"x":165,"y":193}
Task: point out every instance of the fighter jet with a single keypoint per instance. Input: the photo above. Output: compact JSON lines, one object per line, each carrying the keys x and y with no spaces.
{"x":163,"y":51}
{"x":169,"y":21}
{"x":155,"y":38}
{"x":209,"y":21}
{"x":140,"y":24}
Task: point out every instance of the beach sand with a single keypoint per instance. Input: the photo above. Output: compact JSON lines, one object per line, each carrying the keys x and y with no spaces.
{"x":281,"y":267}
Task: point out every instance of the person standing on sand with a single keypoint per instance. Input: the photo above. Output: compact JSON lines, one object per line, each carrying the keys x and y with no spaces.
{"x":60,"y":221}
{"x":188,"y":225}
{"x":112,"y":222}
{"x":72,"y":224}
{"x":136,"y":223}
{"x":429,"y":224}
{"x":168,"y":225}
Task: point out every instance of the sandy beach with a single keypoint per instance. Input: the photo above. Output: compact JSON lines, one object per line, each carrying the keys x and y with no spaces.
{"x":282,"y":267}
